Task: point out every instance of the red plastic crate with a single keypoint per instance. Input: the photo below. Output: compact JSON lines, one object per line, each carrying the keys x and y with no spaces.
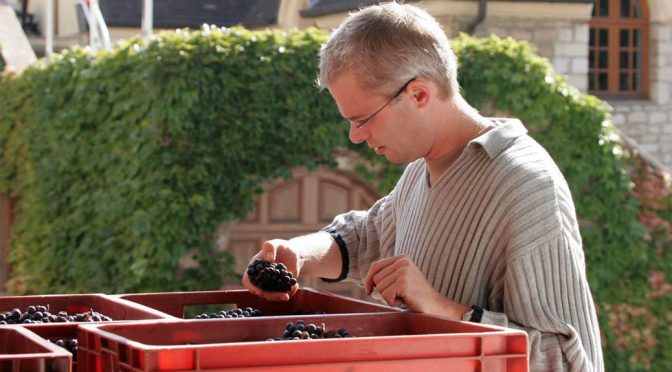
{"x":58,"y":331}
{"x":115,"y":308}
{"x":382,"y":342}
{"x":174,"y":303}
{"x":23,"y":351}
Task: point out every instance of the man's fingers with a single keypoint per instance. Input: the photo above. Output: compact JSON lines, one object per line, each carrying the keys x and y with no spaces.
{"x":379,"y":270}
{"x":385,"y":278}
{"x":373,"y":270}
{"x":368,"y":280}
{"x":390,"y":295}
{"x":293,"y":290}
{"x":268,"y":250}
{"x":275,"y":296}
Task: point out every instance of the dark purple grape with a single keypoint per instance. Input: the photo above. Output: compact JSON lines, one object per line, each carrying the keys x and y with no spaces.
{"x":300,"y":331}
{"x":270,"y":276}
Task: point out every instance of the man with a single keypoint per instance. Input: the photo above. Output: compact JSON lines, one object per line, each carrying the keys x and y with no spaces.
{"x":480,"y":227}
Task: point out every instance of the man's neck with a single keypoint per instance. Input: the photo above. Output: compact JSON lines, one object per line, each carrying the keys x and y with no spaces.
{"x":461,"y":123}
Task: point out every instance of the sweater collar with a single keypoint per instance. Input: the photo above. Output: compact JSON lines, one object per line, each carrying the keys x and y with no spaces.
{"x":499,"y":136}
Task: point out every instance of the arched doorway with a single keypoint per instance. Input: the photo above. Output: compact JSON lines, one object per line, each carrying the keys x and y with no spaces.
{"x":298,"y":206}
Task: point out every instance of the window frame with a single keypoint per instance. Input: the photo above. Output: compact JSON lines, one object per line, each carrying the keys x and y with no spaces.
{"x":614,"y":23}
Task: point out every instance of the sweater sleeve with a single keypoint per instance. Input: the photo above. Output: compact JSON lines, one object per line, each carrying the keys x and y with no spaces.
{"x":547,"y":295}
{"x":366,"y":236}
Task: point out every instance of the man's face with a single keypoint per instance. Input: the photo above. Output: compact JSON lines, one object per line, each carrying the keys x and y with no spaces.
{"x":388,"y":122}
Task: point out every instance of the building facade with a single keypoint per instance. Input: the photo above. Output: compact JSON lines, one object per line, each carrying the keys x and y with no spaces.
{"x":619,"y":50}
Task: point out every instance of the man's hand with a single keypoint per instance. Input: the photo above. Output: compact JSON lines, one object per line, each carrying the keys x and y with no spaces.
{"x":399,"y":281}
{"x":276,"y":250}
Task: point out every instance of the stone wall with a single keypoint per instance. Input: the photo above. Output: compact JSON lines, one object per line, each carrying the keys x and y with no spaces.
{"x":647,"y":122}
{"x":563,"y":42}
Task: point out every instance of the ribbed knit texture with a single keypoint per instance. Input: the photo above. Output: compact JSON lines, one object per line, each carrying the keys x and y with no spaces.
{"x":497,"y":230}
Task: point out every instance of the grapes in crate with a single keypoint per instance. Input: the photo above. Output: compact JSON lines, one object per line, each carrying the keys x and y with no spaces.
{"x":232,"y":313}
{"x":69,"y":344}
{"x":41,"y":314}
{"x":270,"y":276}
{"x":302,"y":331}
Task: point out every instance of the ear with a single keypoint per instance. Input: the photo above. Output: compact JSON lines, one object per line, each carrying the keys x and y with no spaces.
{"x":420,"y":92}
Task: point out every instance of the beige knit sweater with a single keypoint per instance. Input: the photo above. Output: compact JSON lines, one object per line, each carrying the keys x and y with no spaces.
{"x":497,"y":230}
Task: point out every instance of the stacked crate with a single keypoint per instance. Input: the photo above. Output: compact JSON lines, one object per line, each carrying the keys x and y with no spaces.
{"x":157,"y":332}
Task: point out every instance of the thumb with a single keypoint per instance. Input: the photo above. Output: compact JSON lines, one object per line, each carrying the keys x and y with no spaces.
{"x":268,"y":251}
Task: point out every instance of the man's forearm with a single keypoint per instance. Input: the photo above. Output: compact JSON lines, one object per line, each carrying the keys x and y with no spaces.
{"x":319,"y":255}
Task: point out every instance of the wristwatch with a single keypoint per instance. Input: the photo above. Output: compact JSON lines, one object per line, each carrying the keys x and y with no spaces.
{"x":474,"y":315}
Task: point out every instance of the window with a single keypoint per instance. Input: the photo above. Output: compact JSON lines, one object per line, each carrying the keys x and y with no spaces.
{"x":619,"y":49}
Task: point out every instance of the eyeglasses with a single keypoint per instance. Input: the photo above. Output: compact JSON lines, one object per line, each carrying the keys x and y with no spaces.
{"x":360,"y":123}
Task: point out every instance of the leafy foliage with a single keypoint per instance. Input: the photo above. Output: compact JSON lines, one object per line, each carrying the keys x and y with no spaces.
{"x":125,"y":161}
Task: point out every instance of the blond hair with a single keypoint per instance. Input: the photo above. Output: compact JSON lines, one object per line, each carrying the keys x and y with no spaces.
{"x":388,"y":44}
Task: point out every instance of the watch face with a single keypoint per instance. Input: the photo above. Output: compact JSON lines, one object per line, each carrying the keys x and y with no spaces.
{"x":467,"y":316}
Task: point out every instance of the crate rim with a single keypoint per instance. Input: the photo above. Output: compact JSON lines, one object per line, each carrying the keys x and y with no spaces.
{"x":287,"y":318}
{"x":98,"y":328}
{"x":53,"y":350}
{"x":160,"y":315}
{"x":242,"y":290}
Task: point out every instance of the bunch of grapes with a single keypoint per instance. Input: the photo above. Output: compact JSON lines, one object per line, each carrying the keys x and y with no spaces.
{"x":41,"y":314}
{"x":270,"y":276}
{"x":69,"y":344}
{"x":232,"y":313}
{"x":301,"y":331}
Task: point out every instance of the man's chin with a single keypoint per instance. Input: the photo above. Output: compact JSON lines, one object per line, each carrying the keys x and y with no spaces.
{"x":396,"y":160}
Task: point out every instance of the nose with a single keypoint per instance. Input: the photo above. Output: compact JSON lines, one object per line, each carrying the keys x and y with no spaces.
{"x":358,"y":135}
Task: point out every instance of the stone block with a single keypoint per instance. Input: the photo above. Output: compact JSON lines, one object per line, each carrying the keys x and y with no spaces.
{"x":545,"y":36}
{"x":571,"y":49}
{"x":618,"y":119}
{"x":565,"y":35}
{"x":665,"y":48}
{"x":664,"y":73}
{"x":661,"y":33}
{"x":521,"y":35}
{"x":581,"y":33}
{"x":642,"y":130}
{"x":579,"y":82}
{"x":580,"y":65}
{"x":660,"y":60}
{"x":637,"y":117}
{"x":667,"y":128}
{"x":544,"y":50}
{"x":658,"y":117}
{"x":660,"y":93}
{"x":561,"y":65}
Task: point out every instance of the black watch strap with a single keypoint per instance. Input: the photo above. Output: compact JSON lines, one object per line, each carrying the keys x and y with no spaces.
{"x":476,"y":314}
{"x":344,"y":256}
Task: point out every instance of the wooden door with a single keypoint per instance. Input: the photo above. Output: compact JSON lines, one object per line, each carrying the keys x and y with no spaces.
{"x":298,"y":206}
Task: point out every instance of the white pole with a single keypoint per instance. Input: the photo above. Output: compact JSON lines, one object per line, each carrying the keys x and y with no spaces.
{"x":147,"y":19}
{"x":94,"y":38}
{"x":49,"y":26}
